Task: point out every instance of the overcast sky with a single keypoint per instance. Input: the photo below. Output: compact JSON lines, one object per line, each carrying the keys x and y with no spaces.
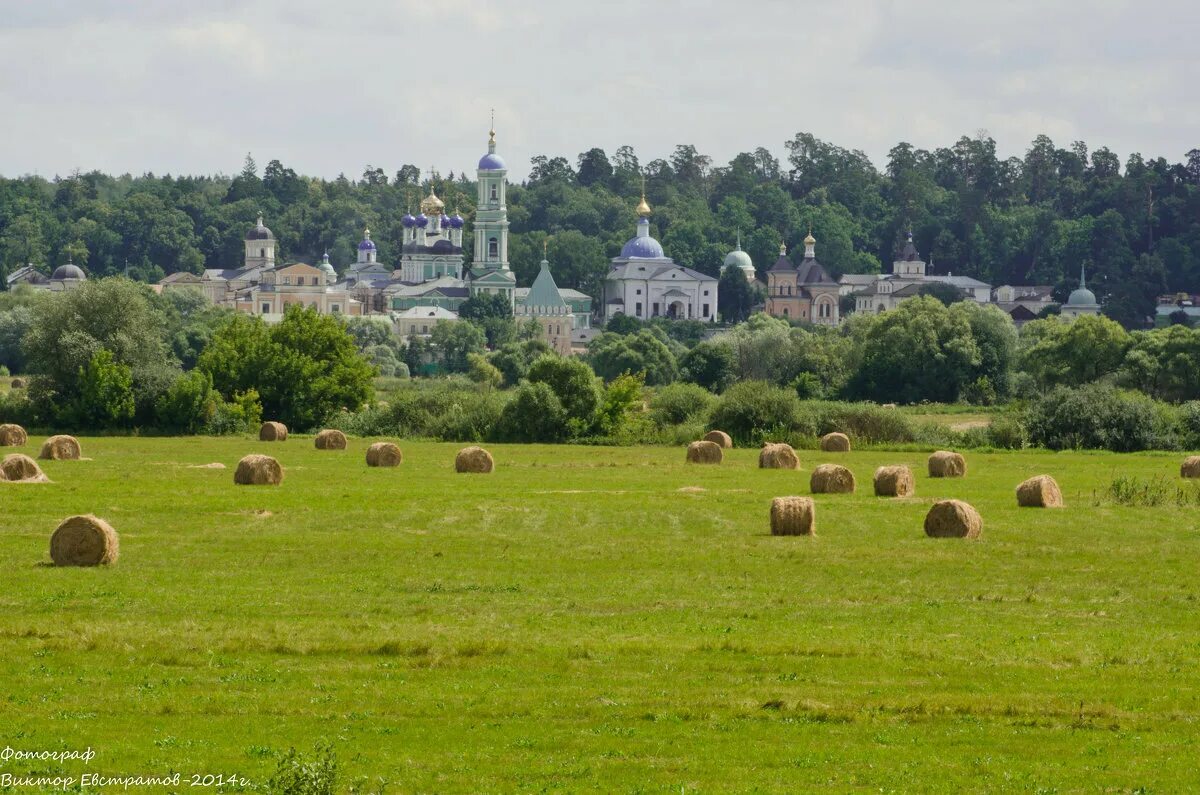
{"x":328,"y":87}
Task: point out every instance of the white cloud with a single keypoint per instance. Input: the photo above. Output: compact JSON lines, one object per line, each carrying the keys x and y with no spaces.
{"x":327,"y":88}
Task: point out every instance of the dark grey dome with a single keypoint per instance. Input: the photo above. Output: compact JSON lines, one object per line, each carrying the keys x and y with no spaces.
{"x":63,"y":272}
{"x":260,"y":232}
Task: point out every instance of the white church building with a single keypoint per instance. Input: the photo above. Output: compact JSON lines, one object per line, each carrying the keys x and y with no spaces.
{"x":645,"y":283}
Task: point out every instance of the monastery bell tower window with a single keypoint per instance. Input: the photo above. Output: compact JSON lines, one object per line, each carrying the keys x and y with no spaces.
{"x":493,"y":246}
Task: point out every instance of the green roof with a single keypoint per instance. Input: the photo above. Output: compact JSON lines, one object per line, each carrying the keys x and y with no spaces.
{"x":544,"y":292}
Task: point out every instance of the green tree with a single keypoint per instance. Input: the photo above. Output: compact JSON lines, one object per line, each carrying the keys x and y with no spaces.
{"x":105,"y":395}
{"x":735,"y":296}
{"x":574,"y":383}
{"x":453,"y":342}
{"x":918,"y":351}
{"x":709,"y":364}
{"x":305,"y":368}
{"x":1072,"y":353}
{"x":612,"y":355}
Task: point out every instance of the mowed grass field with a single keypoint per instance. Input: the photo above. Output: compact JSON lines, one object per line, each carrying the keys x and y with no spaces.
{"x":599,"y":619}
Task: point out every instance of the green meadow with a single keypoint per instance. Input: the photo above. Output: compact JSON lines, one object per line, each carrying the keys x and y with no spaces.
{"x":601,"y":619}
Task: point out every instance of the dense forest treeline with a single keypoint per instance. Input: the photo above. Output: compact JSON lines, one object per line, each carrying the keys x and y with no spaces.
{"x":1034,"y":219}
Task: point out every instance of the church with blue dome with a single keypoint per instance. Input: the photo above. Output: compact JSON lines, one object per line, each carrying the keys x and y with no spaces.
{"x":645,"y":283}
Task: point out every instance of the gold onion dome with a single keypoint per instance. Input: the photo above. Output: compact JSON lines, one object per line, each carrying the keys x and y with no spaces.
{"x":643,"y":208}
{"x":431,"y":204}
{"x":808,"y":241}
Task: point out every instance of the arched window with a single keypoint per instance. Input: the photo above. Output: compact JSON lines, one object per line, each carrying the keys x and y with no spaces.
{"x":493,"y":248}
{"x":785,"y":311}
{"x":494,"y":192}
{"x":262,"y":252}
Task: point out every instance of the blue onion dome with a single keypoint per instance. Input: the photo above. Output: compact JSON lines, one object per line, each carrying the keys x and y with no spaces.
{"x":491,"y":162}
{"x":645,"y":247}
{"x":367,"y":243}
{"x":408,"y":221}
{"x":445,"y":220}
{"x":456,"y":221}
{"x":422,"y":220}
{"x":260,"y":232}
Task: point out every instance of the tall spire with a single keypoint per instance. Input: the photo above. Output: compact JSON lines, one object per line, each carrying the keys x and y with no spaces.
{"x":492,"y":134}
{"x":739,"y":241}
{"x":1082,"y":276}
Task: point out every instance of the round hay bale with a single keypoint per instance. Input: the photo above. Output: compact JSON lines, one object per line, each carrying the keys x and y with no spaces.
{"x":330,"y":439}
{"x":384,"y":454}
{"x":1040,"y":491}
{"x":832,"y":479}
{"x":719,"y":437}
{"x":792,"y":516}
{"x":258,"y":470}
{"x":1189,"y":469}
{"x":474,"y":459}
{"x":84,"y":541}
{"x":945,"y":464}
{"x":18,"y":383}
{"x":953,"y":519}
{"x":894,"y":481}
{"x":13,"y":436}
{"x":835,"y":443}
{"x":272,"y":432}
{"x":60,"y":448}
{"x":778,"y":456}
{"x":21,"y":468}
{"x":704,"y":452}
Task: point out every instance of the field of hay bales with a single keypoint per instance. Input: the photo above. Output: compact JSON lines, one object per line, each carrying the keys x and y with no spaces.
{"x":601,"y":619}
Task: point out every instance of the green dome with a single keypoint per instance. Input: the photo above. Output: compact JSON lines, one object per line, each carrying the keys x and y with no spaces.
{"x":1081,"y":297}
{"x":738,"y":259}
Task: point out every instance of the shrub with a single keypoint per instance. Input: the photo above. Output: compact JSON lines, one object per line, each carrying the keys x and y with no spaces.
{"x":753,"y":410}
{"x":1100,"y":417}
{"x":679,"y":403}
{"x":1008,"y":433}
{"x":470,"y":417}
{"x":535,"y":414}
{"x":863,"y":421}
{"x":301,"y":775}
{"x":240,"y":415}
{"x":4,"y":373}
{"x":1189,"y":425}
{"x":621,"y":398}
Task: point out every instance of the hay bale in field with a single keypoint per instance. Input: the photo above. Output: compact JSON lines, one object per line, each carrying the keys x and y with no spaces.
{"x":258,"y":470}
{"x":60,"y":448}
{"x":384,"y":454}
{"x":1040,"y":491}
{"x":894,"y":481}
{"x":330,"y":439}
{"x":778,"y":456}
{"x":20,"y":468}
{"x":84,"y":541}
{"x":953,"y":519}
{"x":272,"y":432}
{"x":832,"y":479}
{"x":945,"y":464}
{"x":1189,"y":469}
{"x":475,"y":460}
{"x":888,"y":406}
{"x":835,"y":443}
{"x":18,"y":383}
{"x":719,"y":437}
{"x":704,"y":452}
{"x":12,"y":435}
{"x":792,"y":516}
